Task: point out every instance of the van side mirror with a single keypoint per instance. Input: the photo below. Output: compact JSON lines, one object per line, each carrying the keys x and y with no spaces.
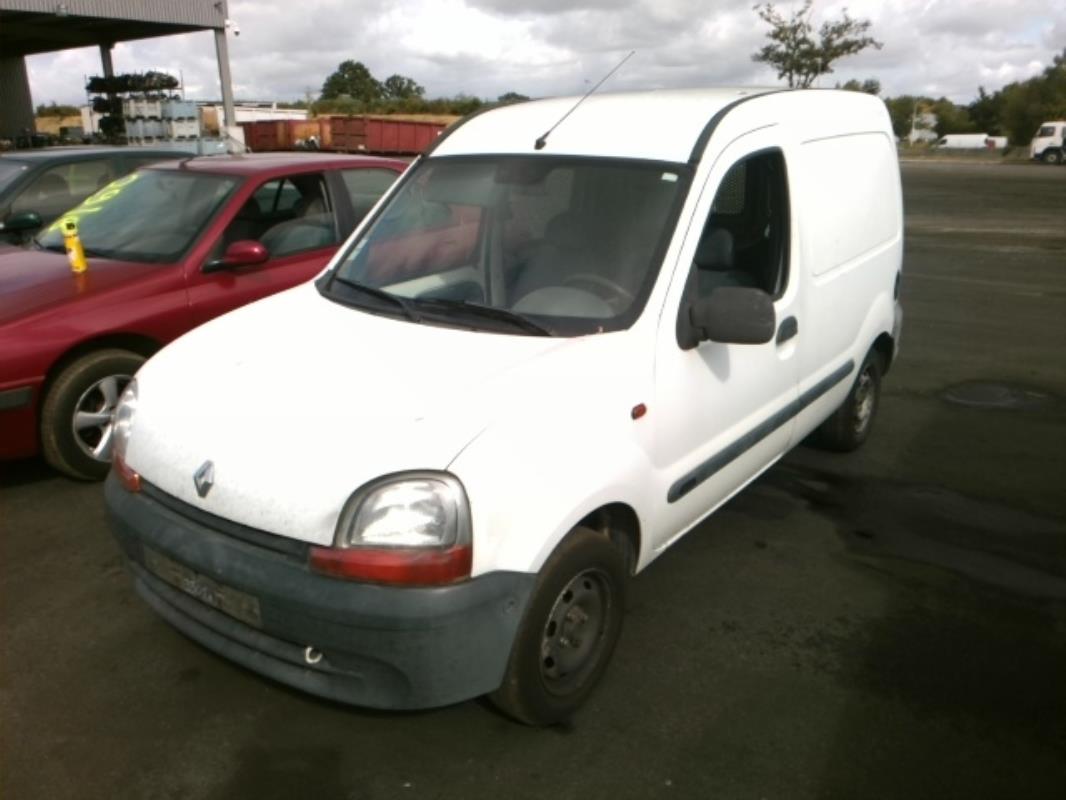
{"x":21,"y":222}
{"x":734,"y":315}
{"x":245,"y":253}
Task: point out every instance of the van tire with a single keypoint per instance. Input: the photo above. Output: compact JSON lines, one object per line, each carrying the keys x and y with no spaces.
{"x":78,"y":388}
{"x":579,"y":593}
{"x":1052,"y":157}
{"x":850,"y":425}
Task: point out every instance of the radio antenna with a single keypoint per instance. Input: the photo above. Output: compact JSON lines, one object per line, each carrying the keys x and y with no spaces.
{"x":543,"y":140}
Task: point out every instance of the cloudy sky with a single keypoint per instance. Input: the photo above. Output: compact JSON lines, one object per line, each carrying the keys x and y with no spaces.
{"x":547,"y":47}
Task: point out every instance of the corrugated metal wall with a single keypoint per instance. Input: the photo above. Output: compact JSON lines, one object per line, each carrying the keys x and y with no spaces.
{"x":179,"y":12}
{"x":16,"y":107}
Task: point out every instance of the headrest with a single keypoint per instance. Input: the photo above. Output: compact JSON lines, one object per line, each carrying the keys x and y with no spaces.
{"x":567,"y":229}
{"x":715,"y":250}
{"x":49,"y":184}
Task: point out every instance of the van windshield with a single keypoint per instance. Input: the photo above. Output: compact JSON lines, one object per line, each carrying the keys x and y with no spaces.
{"x":570,"y":244}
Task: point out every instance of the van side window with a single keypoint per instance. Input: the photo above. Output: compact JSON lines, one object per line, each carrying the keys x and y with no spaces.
{"x":745,"y":239}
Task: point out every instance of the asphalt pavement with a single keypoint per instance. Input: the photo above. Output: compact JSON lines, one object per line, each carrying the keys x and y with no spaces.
{"x":885,"y":624}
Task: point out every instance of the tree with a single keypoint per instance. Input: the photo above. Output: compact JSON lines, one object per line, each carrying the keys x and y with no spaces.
{"x":951,"y":118}
{"x":795,"y":54}
{"x":870,"y":86}
{"x":55,"y":110}
{"x":986,"y":112}
{"x":1028,"y":103}
{"x":352,"y":79}
{"x":399,"y":87}
{"x":511,"y":97}
{"x":905,"y":112}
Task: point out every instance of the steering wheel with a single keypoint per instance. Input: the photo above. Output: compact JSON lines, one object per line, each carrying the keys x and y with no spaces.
{"x":617,"y":292}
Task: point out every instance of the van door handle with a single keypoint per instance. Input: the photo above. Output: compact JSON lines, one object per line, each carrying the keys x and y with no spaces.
{"x":788,"y":328}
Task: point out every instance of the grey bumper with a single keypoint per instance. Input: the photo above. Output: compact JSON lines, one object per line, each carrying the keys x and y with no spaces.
{"x":380,"y":646}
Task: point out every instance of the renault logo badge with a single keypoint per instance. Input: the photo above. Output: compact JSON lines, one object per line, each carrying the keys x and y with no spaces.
{"x":204,"y":478}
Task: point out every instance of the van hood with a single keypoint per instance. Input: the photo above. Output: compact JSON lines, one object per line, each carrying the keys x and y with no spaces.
{"x":298,"y":401}
{"x":32,"y":280}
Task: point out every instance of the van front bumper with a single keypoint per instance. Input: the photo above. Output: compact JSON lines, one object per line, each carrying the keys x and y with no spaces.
{"x":235,"y":592}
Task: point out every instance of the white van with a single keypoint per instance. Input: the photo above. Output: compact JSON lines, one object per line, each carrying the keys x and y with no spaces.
{"x":963,"y":141}
{"x":1049,"y":143}
{"x":569,"y":333}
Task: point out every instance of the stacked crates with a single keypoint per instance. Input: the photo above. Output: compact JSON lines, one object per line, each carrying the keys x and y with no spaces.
{"x":180,"y":119}
{"x":141,"y":107}
{"x":151,"y":117}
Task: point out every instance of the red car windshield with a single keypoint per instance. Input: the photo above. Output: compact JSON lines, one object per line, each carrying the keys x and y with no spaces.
{"x":9,"y":171}
{"x":150,"y":215}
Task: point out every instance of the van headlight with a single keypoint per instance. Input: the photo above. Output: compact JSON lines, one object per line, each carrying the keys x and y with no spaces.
{"x":122,"y":420}
{"x":408,"y":528}
{"x":414,"y":511}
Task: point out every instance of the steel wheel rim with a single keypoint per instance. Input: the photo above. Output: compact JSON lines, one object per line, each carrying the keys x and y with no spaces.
{"x":865,"y":397}
{"x":574,"y":633}
{"x":93,"y":413}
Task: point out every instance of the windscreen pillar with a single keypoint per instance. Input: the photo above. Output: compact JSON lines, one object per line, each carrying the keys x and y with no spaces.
{"x":230,"y":129}
{"x":16,"y":104}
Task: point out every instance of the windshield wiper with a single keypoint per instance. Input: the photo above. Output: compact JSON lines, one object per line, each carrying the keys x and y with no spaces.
{"x":400,"y":302}
{"x":514,"y":318}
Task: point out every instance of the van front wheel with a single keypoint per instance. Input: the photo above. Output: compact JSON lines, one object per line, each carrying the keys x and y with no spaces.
{"x":850,"y":424}
{"x":568,"y":633}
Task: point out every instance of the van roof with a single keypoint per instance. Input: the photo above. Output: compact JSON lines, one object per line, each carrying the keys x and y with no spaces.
{"x":663,"y":125}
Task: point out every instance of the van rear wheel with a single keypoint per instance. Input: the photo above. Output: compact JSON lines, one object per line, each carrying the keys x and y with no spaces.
{"x":850,"y":425}
{"x":568,"y":633}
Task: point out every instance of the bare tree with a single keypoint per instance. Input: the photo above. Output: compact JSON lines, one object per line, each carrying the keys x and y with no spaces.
{"x":795,"y":54}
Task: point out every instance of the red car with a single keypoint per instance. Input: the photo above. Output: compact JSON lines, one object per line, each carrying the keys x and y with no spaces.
{"x":169,"y":247}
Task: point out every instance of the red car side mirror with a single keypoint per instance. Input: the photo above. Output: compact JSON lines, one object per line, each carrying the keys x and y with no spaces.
{"x":245,"y":253}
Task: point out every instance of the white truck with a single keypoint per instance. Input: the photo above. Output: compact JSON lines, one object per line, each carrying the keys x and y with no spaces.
{"x":569,"y":333}
{"x":1049,"y":143}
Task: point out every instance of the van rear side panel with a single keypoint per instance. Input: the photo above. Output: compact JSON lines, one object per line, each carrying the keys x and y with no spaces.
{"x":847,"y":194}
{"x":849,"y":185}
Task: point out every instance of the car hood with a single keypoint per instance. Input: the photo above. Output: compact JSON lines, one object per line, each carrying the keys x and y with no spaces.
{"x":297,"y":401}
{"x":33,"y":280}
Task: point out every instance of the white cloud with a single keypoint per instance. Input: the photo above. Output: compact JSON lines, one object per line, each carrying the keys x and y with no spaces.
{"x":542,"y":47}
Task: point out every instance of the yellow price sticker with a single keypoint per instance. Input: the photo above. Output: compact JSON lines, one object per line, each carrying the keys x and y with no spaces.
{"x":96,"y":202}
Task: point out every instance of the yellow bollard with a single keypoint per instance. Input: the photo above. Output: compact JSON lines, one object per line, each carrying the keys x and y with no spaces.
{"x":75,"y":250}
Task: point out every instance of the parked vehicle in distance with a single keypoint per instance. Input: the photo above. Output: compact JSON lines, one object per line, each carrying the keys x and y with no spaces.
{"x":1049,"y":143}
{"x":962,"y":141}
{"x":169,"y":247}
{"x":36,"y":186}
{"x":545,"y":358}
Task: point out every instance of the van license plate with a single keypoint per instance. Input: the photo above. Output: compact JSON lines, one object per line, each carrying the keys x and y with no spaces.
{"x":226,"y":599}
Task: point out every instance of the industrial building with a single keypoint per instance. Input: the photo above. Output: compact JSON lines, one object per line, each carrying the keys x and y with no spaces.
{"x":28,"y":27}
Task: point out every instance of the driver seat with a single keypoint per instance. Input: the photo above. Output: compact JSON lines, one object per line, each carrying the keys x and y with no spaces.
{"x":715,"y":262}
{"x":564,"y":251}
